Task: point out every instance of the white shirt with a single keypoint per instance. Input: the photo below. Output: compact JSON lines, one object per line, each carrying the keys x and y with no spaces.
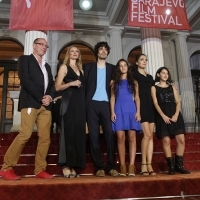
{"x":44,"y":71}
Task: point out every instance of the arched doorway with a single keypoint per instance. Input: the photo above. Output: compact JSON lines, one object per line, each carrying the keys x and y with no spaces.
{"x":87,"y":53}
{"x":195,"y":61}
{"x":10,"y":50}
{"x":195,"y":71}
{"x":132,"y":55}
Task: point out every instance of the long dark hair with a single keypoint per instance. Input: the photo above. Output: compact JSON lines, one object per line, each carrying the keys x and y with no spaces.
{"x":169,"y":80}
{"x":117,"y":78}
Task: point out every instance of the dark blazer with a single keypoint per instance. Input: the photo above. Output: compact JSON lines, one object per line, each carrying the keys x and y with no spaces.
{"x":32,"y":83}
{"x":90,"y":74}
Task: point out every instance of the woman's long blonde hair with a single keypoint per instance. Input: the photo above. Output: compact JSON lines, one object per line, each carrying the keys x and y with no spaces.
{"x":67,"y":59}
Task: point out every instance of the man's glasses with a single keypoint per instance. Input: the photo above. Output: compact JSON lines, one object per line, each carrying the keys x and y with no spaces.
{"x":42,"y":44}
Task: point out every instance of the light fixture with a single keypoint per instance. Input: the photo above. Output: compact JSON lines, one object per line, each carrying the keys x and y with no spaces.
{"x":85,"y":4}
{"x":168,"y":11}
{"x":0,"y":0}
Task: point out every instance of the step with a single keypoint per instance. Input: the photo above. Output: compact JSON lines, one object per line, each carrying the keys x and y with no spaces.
{"x":159,"y":167}
{"x":56,"y":135}
{"x":54,"y":142}
{"x":54,"y":149}
{"x":52,"y":158}
{"x":11,"y":136}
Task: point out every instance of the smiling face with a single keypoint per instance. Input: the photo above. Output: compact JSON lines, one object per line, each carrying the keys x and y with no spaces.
{"x":123,"y":67}
{"x":163,"y":75}
{"x":40,"y":47}
{"x":142,"y":62}
{"x":102,"y":53}
{"x":74,"y":53}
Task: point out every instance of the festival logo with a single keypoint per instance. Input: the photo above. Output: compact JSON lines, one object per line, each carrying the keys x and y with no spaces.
{"x":170,"y":14}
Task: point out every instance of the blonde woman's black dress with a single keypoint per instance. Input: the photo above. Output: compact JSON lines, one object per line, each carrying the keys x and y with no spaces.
{"x":73,"y":119}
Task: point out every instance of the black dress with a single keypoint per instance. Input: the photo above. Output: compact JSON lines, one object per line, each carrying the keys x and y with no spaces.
{"x":55,"y":110}
{"x":72,"y":143}
{"x":166,"y":101}
{"x":147,"y":110}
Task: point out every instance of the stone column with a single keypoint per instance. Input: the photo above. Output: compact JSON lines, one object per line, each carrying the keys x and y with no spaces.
{"x":152,"y":47}
{"x":16,"y":114}
{"x":54,"y":52}
{"x":115,"y":43}
{"x":185,"y":78}
{"x":30,"y":36}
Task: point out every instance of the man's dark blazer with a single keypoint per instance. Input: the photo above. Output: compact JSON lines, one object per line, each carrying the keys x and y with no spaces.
{"x":32,"y":83}
{"x":90,"y":74}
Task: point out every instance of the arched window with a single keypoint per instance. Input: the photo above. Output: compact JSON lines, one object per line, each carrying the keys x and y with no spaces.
{"x":87,"y":53}
{"x":132,"y":55}
{"x":10,"y":49}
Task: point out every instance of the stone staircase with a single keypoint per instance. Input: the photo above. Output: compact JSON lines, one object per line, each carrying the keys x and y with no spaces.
{"x":25,"y":165}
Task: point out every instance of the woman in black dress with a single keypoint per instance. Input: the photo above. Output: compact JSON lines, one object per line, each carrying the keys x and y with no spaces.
{"x":72,"y":134}
{"x":147,"y":111}
{"x":169,"y":121}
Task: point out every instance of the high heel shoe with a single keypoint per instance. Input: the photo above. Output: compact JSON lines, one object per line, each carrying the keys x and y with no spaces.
{"x":66,"y":172}
{"x":151,"y":172}
{"x":144,"y":172}
{"x":73,"y":173}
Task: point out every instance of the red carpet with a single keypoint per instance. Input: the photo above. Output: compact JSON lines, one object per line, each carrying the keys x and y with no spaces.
{"x":91,"y":187}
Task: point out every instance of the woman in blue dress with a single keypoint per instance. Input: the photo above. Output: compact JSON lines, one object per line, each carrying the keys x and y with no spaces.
{"x":125,"y":113}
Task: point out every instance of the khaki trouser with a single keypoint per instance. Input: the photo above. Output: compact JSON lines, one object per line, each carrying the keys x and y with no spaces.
{"x":42,"y":118}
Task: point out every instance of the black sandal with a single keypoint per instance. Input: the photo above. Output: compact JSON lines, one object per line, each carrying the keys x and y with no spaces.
{"x":152,"y":173}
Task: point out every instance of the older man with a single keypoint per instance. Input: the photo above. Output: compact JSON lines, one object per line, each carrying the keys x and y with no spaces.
{"x":37,"y":90}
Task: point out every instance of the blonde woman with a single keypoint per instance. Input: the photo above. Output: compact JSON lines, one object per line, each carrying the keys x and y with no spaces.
{"x":72,"y":134}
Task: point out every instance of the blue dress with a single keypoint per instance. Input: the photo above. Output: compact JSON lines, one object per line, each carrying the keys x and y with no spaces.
{"x":125,"y":110}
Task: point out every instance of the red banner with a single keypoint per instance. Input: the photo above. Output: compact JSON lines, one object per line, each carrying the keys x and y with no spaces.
{"x":41,"y":15}
{"x":170,"y":14}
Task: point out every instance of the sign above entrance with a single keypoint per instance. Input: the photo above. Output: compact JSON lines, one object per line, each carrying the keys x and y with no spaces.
{"x":41,"y":15}
{"x":170,"y":14}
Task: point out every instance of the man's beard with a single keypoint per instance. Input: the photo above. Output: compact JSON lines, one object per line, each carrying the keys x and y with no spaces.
{"x":102,"y":58}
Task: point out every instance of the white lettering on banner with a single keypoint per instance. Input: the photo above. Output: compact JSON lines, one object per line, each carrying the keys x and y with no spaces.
{"x":153,"y":10}
{"x":134,"y":5}
{"x":163,"y":3}
{"x":164,"y":19}
{"x":169,"y":3}
{"x":148,"y":11}
{"x":155,"y":2}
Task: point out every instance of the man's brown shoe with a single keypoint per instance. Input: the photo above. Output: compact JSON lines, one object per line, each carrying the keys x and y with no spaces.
{"x":100,"y":173}
{"x":113,"y":172}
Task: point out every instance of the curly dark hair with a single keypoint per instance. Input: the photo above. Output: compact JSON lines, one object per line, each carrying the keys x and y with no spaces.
{"x":157,"y":79}
{"x":117,"y":78}
{"x":101,"y":44}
